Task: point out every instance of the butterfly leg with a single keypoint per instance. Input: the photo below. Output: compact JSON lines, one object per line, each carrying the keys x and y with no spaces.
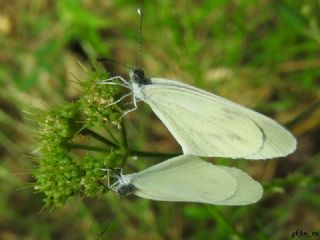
{"x":125,"y":82}
{"x":120,"y":170}
{"x":108,"y":175}
{"x":113,"y":83}
{"x":115,"y":186}
{"x":129,"y":103}
{"x":131,"y":110}
{"x":121,"y":79}
{"x":120,"y":99}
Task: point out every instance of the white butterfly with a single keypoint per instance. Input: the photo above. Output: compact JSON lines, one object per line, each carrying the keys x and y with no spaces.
{"x":189,"y":179}
{"x":205,"y":124}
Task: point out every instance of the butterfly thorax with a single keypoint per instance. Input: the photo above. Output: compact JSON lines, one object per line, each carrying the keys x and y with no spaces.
{"x":139,"y":81}
{"x":137,"y":76}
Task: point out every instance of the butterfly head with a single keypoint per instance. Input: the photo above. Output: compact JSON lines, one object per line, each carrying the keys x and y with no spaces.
{"x":137,"y":76}
{"x":123,"y":185}
{"x":126,"y":189}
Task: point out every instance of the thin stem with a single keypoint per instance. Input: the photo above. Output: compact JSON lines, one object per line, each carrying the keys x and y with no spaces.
{"x":131,"y":152}
{"x":124,"y":135}
{"x":111,"y":134}
{"x":124,"y":141}
{"x":99,"y":137}
{"x":152,"y":154}
{"x":90,"y":148}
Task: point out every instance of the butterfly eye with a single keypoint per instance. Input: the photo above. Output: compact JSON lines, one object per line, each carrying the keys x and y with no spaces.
{"x":138,"y":77}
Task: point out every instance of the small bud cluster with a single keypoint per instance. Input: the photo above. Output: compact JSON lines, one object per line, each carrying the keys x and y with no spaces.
{"x":97,"y":101}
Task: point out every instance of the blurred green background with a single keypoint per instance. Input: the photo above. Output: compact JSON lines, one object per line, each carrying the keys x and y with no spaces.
{"x":262,"y":54}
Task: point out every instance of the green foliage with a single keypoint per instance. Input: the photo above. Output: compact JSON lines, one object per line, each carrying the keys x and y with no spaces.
{"x":60,"y":174}
{"x":262,"y":54}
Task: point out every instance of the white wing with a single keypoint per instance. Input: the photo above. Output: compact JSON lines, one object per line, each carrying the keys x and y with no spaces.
{"x":206,"y":125}
{"x":248,"y":190}
{"x":184,"y":179}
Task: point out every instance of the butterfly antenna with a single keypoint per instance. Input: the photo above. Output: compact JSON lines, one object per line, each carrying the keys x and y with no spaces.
{"x":103,"y":59}
{"x":140,"y":34}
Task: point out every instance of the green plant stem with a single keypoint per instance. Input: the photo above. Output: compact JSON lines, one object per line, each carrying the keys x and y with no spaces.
{"x":111,"y":135}
{"x":90,"y":148}
{"x":124,"y":142}
{"x":99,"y":137}
{"x":124,"y":135}
{"x":151,"y":154}
{"x":130,"y":152}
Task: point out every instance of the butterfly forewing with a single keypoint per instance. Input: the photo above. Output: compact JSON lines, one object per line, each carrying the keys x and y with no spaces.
{"x":208,"y":125}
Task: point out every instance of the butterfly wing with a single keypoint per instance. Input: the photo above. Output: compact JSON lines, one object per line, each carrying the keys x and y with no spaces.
{"x":184,"y":179}
{"x":206,"y":125}
{"x":248,"y":190}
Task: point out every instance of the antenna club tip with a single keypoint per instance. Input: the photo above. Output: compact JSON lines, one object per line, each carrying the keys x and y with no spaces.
{"x":139,"y":11}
